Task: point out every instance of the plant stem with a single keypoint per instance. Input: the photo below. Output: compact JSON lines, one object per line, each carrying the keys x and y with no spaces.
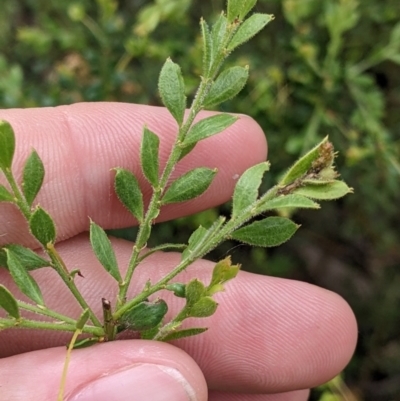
{"x":35,"y":324}
{"x":46,"y":312}
{"x":20,"y":200}
{"x":61,"y":269}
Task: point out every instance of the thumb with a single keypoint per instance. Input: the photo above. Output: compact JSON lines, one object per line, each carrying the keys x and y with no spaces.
{"x":116,"y":371}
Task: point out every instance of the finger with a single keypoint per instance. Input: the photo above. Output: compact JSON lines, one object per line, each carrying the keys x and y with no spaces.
{"x":79,"y":144}
{"x":300,"y":395}
{"x":118,"y":371}
{"x":268,"y":334}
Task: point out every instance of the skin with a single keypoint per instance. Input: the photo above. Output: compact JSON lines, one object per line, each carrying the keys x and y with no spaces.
{"x":270,"y":340}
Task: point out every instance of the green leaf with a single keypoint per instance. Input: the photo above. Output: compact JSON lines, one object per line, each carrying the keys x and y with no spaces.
{"x":222,"y":272}
{"x":172,"y":90}
{"x":104,"y":251}
{"x":194,"y":240}
{"x":145,"y":315}
{"x":248,"y":29}
{"x":239,"y":9}
{"x":208,"y":127}
{"x":32,"y":177}
{"x":176,"y":335}
{"x":8,"y":302}
{"x":234,"y":8}
{"x":86,"y":342}
{"x":83,"y":318}
{"x":29,"y":259}
{"x":269,"y":232}
{"x":247,"y":6}
{"x":228,"y":84}
{"x":22,"y":279}
{"x":333,"y":190}
{"x":218,"y":33}
{"x":5,"y":195}
{"x":303,"y":165}
{"x":42,"y":226}
{"x":195,"y":290}
{"x":129,"y":193}
{"x":178,"y":289}
{"x":288,"y":201}
{"x":207,"y":46}
{"x":7,"y":145}
{"x":149,"y":156}
{"x":205,"y":307}
{"x":189,"y":185}
{"x":246,"y":189}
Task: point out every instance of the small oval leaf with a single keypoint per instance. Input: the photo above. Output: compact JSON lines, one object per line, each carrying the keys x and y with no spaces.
{"x":195,"y":290}
{"x":145,"y":316}
{"x":172,"y":90}
{"x":32,"y":177}
{"x":248,"y":29}
{"x":149,"y":156}
{"x":246,"y":189}
{"x":205,"y":307}
{"x":104,"y":251}
{"x":189,"y":186}
{"x":228,"y":84}
{"x":7,"y":145}
{"x":333,"y":190}
{"x":129,"y":193}
{"x":5,"y":195}
{"x":29,"y":259}
{"x":22,"y":279}
{"x":8,"y":302}
{"x":42,"y":226}
{"x":208,"y":127}
{"x":218,"y":35}
{"x":269,"y":232}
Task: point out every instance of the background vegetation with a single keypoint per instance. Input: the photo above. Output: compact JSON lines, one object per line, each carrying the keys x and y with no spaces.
{"x":322,"y":67}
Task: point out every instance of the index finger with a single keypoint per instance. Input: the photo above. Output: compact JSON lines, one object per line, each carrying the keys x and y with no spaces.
{"x":81,"y":143}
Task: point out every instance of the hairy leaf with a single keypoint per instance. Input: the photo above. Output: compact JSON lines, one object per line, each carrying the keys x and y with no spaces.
{"x":208,"y":127}
{"x":104,"y":251}
{"x":8,"y":302}
{"x":288,"y":201}
{"x":333,"y":190}
{"x":246,"y":189}
{"x":176,"y":335}
{"x":145,"y":315}
{"x":228,"y":84}
{"x":205,"y":307}
{"x":42,"y":226}
{"x":129,"y":193}
{"x":222,"y":272}
{"x":29,"y":259}
{"x":172,"y":90}
{"x":194,"y":291}
{"x":5,"y":195}
{"x":249,"y":28}
{"x":7,"y":145}
{"x":32,"y":177}
{"x":149,"y":156}
{"x":189,"y":186}
{"x":303,"y":165}
{"x":22,"y":278}
{"x":269,"y":232}
{"x":207,"y":46}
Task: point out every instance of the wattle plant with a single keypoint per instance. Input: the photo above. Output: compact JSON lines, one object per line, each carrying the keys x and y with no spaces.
{"x":310,"y":179}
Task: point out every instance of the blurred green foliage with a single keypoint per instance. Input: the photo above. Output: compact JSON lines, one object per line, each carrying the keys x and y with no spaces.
{"x":322,"y":67}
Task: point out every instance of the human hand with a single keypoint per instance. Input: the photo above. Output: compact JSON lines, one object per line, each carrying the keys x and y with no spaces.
{"x":269,"y":335}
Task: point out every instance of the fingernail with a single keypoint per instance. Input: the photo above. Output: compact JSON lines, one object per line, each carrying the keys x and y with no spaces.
{"x":142,"y":382}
